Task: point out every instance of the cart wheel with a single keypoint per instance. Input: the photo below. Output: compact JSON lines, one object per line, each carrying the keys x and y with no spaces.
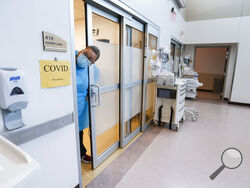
{"x":155,"y":122}
{"x":196,"y":113}
{"x":194,"y":119}
{"x":183,"y":120}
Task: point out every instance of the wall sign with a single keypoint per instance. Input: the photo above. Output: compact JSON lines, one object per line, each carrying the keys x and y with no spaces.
{"x":54,"y":73}
{"x":52,"y":42}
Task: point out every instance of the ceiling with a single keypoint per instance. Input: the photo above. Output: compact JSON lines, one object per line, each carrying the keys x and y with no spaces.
{"x":214,"y":9}
{"x":79,"y":9}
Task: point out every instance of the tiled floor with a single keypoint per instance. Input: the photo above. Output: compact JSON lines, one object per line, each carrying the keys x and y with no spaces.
{"x":187,"y":158}
{"x":88,"y":174}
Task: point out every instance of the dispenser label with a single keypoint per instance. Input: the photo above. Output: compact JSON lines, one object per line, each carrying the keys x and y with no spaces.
{"x":15,"y":79}
{"x":54,"y":73}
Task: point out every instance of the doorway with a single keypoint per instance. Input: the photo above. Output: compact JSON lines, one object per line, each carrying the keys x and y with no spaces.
{"x":121,"y":92}
{"x":210,"y":63}
{"x":103,"y":30}
{"x":176,"y":52}
{"x":94,"y":27}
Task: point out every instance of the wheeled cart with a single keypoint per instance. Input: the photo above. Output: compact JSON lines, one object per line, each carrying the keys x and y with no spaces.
{"x":170,"y":104}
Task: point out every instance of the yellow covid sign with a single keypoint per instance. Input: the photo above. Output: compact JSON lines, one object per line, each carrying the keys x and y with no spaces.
{"x":54,"y":73}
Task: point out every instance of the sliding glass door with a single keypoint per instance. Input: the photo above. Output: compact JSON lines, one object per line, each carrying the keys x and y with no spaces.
{"x":132,"y":77}
{"x":151,"y":44}
{"x":104,"y":33}
{"x":121,"y":90}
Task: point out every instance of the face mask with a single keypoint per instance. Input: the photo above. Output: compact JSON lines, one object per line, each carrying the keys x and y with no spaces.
{"x":82,"y":61}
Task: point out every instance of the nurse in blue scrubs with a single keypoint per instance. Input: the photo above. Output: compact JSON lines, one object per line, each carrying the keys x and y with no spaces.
{"x":84,"y":59}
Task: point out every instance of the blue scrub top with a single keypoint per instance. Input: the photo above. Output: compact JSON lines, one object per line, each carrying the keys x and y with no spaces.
{"x":82,"y":78}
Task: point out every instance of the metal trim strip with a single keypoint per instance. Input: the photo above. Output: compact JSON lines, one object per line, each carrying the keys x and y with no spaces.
{"x":109,"y":88}
{"x":24,"y":135}
{"x":182,"y":108}
{"x":106,"y":154}
{"x":131,"y":136}
{"x":133,"y":84}
{"x":149,"y":80}
{"x":145,"y":127}
{"x":104,"y":14}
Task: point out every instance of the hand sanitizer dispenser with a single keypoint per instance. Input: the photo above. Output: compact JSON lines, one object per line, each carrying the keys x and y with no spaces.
{"x":13,"y":97}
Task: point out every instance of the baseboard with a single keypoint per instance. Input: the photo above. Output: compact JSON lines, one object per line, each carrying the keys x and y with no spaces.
{"x":205,"y":90}
{"x":239,"y":103}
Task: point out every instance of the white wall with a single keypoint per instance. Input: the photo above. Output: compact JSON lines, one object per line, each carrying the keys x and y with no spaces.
{"x":212,"y":9}
{"x":22,"y":23}
{"x":230,"y":71}
{"x":212,"y":31}
{"x":241,"y":89}
{"x":159,"y":12}
{"x":225,"y":31}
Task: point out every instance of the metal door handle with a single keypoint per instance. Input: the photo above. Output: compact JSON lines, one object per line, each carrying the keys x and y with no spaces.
{"x":98,"y":94}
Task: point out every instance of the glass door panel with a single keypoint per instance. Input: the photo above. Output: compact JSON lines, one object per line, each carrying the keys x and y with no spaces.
{"x":106,"y":38}
{"x":133,"y":71}
{"x":150,"y":85}
{"x":133,"y":97}
{"x":152,"y":40}
{"x":132,"y":76}
{"x":107,"y":121}
{"x":150,"y":102}
{"x":177,"y":58}
{"x":104,"y":85}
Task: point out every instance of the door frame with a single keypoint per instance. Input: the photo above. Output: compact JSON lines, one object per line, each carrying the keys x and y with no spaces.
{"x":228,"y":46}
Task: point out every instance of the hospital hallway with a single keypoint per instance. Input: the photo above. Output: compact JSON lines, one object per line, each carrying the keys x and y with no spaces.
{"x":163,"y":158}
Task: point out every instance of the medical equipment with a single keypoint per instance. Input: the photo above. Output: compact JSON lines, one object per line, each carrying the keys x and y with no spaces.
{"x":190,"y":76}
{"x":166,"y":75}
{"x":170,"y":104}
{"x":170,"y":92}
{"x":155,"y":64}
{"x":13,"y":97}
{"x":192,"y":112}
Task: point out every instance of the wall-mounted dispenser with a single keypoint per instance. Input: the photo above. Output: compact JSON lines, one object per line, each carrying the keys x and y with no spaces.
{"x":13,"y":97}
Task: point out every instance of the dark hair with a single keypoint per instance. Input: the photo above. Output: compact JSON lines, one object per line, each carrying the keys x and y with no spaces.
{"x":96,"y":51}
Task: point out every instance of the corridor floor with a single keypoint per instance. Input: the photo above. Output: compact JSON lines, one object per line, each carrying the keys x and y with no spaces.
{"x":187,"y":158}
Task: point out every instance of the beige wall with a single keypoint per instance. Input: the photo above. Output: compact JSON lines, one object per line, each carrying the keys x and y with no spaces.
{"x":107,"y":29}
{"x":80,"y":34}
{"x":210,"y":60}
{"x":210,"y":64}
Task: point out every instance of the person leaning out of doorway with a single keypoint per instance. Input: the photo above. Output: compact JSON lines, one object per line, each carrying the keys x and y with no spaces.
{"x":84,"y":59}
